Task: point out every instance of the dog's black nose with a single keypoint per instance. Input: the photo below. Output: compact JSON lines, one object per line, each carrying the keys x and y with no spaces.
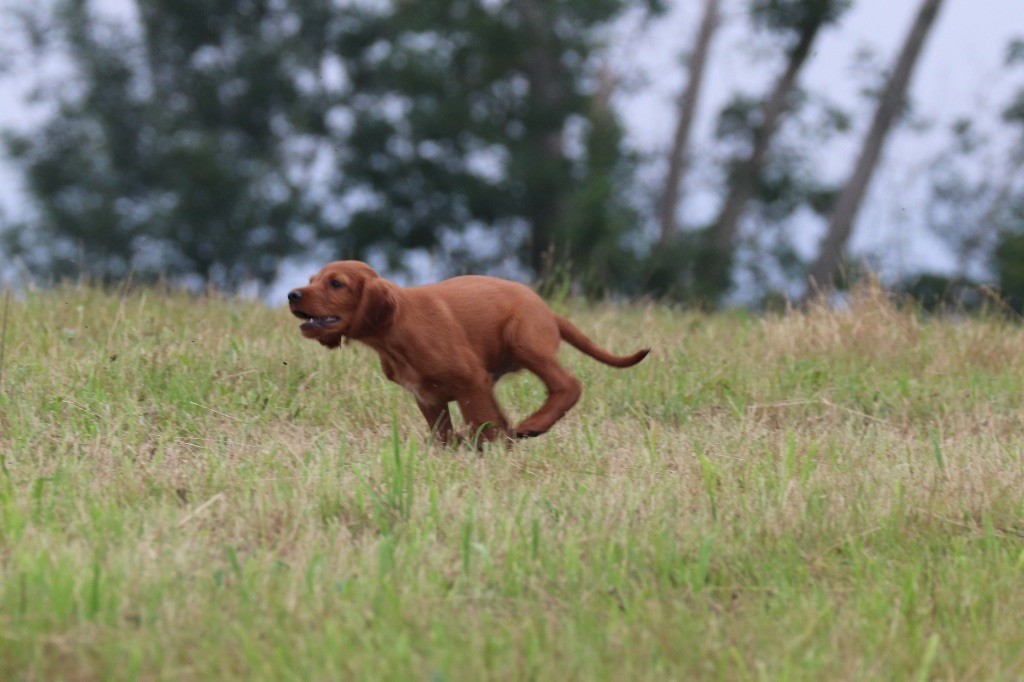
{"x":295,"y":295}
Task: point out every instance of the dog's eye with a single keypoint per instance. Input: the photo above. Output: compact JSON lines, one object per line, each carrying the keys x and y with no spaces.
{"x":336,"y":284}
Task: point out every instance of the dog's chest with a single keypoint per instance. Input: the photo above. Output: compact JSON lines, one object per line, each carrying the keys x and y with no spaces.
{"x":425,"y":392}
{"x":415,"y":390}
{"x":409,"y":379}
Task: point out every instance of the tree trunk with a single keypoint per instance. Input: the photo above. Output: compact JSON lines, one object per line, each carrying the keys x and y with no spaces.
{"x":712,"y":271}
{"x":545,"y":189}
{"x":744,"y":183}
{"x":678,"y":157}
{"x":889,"y":106}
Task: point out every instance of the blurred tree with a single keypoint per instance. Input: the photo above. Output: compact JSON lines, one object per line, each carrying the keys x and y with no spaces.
{"x":168,"y":149}
{"x":600,"y":219}
{"x":788,"y":194}
{"x":797,"y":24}
{"x":970,"y":183}
{"x":890,"y":105}
{"x":977,"y":197}
{"x":1007,"y":211}
{"x":218,"y":136}
{"x":764,"y":168}
{"x":678,"y":155}
{"x":478,"y":118}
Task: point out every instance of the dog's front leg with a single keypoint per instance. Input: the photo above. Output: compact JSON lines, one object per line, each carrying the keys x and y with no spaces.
{"x":484,"y":419}
{"x":439,"y":419}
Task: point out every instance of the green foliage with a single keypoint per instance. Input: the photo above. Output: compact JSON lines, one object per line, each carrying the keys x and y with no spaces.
{"x":796,"y":17}
{"x":1015,"y":51}
{"x":935,"y":293}
{"x":168,"y":151}
{"x":215,"y":137}
{"x":1009,"y":262}
{"x":600,"y":219}
{"x":977,"y":203}
{"x":1009,"y":253}
{"x":462,"y":114}
{"x":1014,"y":112}
{"x":685,"y":269}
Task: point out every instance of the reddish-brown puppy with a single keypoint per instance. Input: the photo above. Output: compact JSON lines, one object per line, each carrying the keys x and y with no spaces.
{"x":451,"y":341}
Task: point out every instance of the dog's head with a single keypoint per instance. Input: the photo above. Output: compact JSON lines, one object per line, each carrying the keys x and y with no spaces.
{"x":345,"y":299}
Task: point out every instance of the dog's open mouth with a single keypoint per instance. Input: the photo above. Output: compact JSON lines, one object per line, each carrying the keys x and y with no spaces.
{"x":313,"y":322}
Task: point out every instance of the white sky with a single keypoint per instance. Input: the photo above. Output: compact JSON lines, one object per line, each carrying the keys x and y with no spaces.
{"x":960,"y":74}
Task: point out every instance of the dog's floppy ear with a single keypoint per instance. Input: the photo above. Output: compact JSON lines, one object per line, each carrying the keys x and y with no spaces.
{"x":376,"y":308}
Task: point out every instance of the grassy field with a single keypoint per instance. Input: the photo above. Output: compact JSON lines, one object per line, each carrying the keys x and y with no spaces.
{"x":190,"y":490}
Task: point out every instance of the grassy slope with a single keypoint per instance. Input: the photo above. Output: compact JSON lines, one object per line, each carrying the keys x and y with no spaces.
{"x":191,"y":490}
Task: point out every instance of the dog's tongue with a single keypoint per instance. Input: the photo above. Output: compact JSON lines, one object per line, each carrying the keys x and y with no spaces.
{"x":318,"y":322}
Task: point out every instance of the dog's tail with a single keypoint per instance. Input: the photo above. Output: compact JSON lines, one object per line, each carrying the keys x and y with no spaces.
{"x":579,"y":340}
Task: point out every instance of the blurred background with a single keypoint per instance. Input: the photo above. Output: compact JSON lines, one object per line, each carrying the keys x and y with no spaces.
{"x":714,"y":152}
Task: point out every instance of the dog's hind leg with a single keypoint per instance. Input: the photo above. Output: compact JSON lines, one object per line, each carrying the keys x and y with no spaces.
{"x":534,"y":342}
{"x":563,"y":391}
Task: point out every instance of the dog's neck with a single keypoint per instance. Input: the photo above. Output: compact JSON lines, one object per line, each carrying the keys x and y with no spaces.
{"x":377,"y":339}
